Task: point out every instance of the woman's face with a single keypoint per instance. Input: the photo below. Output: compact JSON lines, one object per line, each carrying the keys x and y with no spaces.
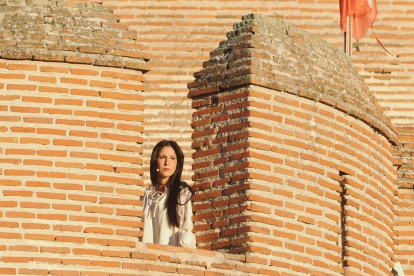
{"x":166,"y":164}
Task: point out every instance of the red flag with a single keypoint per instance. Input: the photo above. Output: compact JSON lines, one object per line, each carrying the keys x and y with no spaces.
{"x":363,"y":12}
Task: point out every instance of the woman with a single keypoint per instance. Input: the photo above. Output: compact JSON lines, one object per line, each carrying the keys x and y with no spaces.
{"x":167,"y":202}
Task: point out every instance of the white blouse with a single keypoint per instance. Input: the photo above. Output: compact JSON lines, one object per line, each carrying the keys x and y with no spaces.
{"x":156,"y":227}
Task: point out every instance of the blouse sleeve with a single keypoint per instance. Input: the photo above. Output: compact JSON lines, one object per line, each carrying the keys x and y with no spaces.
{"x":145,"y":207}
{"x":147,"y":231}
{"x":186,"y":237}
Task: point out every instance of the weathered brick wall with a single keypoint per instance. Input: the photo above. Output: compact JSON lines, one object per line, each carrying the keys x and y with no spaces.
{"x":179,"y":34}
{"x":72,"y":114}
{"x":294,"y":157}
{"x":404,"y":215}
{"x":71,"y":104}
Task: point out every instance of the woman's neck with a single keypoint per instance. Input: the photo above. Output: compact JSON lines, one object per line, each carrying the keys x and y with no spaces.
{"x":162,"y":183}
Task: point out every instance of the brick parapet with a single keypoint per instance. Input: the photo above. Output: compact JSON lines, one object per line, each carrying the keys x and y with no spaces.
{"x":255,"y":53}
{"x":125,"y":261}
{"x":71,"y":137}
{"x":404,"y":218}
{"x":62,"y":31}
{"x":273,"y":174}
{"x":70,"y":165}
{"x":282,"y":169}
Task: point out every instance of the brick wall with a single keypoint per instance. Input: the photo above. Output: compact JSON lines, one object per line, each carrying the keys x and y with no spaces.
{"x":71,"y":113}
{"x":179,"y":34}
{"x":287,"y":165}
{"x":74,"y":110}
{"x":404,"y":218}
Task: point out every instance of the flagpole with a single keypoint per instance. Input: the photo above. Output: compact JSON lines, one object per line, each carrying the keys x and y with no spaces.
{"x":348,"y":37}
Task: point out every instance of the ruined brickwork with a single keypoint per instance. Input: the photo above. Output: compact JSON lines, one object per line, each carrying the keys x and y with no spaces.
{"x":287,"y":143}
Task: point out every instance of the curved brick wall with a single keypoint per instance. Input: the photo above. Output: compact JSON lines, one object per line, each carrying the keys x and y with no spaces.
{"x":71,"y":165}
{"x":179,"y":34}
{"x":71,"y":82}
{"x":290,"y":168}
{"x":404,"y":215}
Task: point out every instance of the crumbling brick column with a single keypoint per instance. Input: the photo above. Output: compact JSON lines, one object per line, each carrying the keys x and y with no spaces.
{"x":293,"y":163}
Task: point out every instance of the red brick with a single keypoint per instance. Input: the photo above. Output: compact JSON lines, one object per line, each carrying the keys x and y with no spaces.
{"x":82,"y":251}
{"x":84,"y":92}
{"x":22,"y":87}
{"x":73,"y":81}
{"x":10,"y":182}
{"x":99,"y":230}
{"x":35,"y":226}
{"x":42,"y":237}
{"x":57,"y":250}
{"x":87,"y":72}
{"x":214,"y":273}
{"x":83,"y":198}
{"x":57,"y":111}
{"x":19,"y":173}
{"x":48,"y":89}
{"x":12,"y":76}
{"x":162,"y":268}
{"x":29,"y":271}
{"x":23,"y":109}
{"x":7,"y":271}
{"x":20,"y":152}
{"x":70,"y":239}
{"x":68,"y":228}
{"x":64,"y":272}
{"x":190,"y":271}
{"x":146,"y":256}
{"x":137,"y":266}
{"x":59,"y":132}
{"x":75,"y":262}
{"x":38,"y":162}
{"x":8,"y":204}
{"x":104,"y":84}
{"x":256,"y":260}
{"x":36,"y":205}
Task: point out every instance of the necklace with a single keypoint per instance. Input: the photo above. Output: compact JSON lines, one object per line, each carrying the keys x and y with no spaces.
{"x":162,"y":188}
{"x":155,"y":195}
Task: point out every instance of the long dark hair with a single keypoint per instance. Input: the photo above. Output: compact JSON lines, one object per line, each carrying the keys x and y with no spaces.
{"x":176,"y":185}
